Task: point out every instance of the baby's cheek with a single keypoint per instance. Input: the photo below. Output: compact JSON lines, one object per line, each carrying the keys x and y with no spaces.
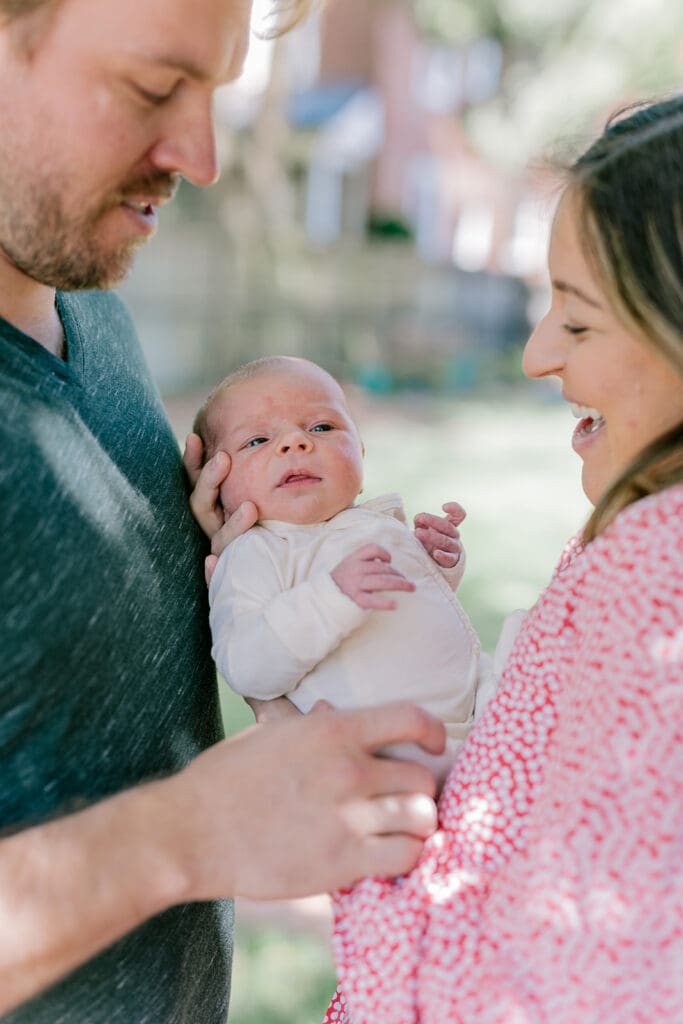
{"x":229,"y":495}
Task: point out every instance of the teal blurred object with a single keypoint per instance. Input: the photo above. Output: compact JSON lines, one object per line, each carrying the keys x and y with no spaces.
{"x":375,"y":378}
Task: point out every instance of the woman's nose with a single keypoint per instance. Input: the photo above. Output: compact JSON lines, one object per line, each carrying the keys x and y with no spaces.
{"x":544,"y":352}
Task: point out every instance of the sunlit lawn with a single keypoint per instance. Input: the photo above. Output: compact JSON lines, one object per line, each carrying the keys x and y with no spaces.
{"x":508,"y":460}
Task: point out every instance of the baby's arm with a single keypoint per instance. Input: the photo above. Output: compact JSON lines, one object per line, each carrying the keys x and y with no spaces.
{"x":440,"y":537}
{"x":266,"y":638}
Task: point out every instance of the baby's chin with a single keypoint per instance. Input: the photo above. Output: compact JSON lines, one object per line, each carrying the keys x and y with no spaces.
{"x":301,"y":516}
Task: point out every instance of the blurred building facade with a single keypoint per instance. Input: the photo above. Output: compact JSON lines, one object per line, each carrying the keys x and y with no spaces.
{"x":355,"y":221}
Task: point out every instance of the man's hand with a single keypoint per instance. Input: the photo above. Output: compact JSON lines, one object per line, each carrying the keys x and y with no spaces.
{"x":302,"y":806}
{"x":205,"y":501}
{"x":284,"y":810}
{"x":367,"y":572}
{"x":268,"y":711}
{"x":439,"y":535}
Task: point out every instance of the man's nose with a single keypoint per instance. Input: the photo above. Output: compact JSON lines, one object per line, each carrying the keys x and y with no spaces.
{"x":187,"y":142}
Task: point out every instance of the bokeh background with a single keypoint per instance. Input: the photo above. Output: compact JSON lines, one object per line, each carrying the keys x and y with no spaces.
{"x":384,"y":209}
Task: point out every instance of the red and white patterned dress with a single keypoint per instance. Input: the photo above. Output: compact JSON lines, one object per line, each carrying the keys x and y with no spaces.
{"x":553,"y":891}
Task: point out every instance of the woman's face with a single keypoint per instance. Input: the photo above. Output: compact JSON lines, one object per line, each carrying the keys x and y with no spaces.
{"x":624,"y":393}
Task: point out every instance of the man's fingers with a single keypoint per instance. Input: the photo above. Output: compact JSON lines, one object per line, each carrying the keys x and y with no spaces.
{"x":397,"y":723}
{"x":204,"y":500}
{"x":391,"y":777}
{"x":192,"y":457}
{"x":392,"y":855}
{"x":413,"y":814}
{"x":241,"y":520}
{"x":210,"y":563}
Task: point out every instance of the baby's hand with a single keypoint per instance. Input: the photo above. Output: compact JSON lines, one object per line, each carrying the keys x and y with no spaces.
{"x":439,"y":535}
{"x":366,"y":572}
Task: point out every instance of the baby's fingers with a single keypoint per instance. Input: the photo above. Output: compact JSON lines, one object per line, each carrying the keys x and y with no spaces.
{"x":446,"y":559}
{"x":436,"y":540}
{"x":436,"y":524}
{"x":455,"y":512}
{"x":372,"y":553}
{"x":373,"y":582}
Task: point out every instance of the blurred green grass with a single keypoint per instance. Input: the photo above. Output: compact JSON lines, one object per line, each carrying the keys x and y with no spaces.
{"x":507,"y":459}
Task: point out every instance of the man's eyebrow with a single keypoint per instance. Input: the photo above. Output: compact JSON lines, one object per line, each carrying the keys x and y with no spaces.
{"x":187,"y":66}
{"x":563,"y":286}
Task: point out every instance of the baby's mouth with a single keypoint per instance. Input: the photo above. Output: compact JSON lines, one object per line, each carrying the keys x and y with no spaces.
{"x":296,"y":476}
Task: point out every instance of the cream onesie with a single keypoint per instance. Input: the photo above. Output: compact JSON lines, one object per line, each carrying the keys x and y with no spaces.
{"x":281,"y":626}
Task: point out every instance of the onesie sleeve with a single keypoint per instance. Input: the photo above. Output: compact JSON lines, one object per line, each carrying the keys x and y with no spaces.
{"x":453,"y":575}
{"x":491,"y":666}
{"x":266,"y":637}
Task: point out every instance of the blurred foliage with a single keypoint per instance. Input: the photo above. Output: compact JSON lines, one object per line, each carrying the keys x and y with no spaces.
{"x":280,"y":977}
{"x":565,"y":63}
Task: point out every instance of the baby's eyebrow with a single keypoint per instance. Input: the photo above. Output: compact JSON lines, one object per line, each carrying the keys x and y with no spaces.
{"x":248,"y":427}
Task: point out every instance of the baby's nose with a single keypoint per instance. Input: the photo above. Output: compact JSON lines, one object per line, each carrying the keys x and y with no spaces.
{"x":296,"y":440}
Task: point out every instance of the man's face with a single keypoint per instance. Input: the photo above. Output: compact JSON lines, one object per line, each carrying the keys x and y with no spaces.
{"x":100,"y":120}
{"x":294,"y":448}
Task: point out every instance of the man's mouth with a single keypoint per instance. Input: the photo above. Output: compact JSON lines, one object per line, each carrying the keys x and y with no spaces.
{"x":590,"y":420}
{"x":297,"y":476}
{"x":146,"y":195}
{"x":142,"y":206}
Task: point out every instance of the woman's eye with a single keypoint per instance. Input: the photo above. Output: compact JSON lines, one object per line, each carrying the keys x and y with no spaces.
{"x":255,"y":442}
{"x":572,"y":329}
{"x":319,"y":428}
{"x":155,"y":99}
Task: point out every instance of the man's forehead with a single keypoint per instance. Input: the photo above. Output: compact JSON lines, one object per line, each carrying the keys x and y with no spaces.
{"x":206,"y":39}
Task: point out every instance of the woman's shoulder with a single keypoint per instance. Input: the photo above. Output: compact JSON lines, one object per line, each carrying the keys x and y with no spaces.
{"x":643,"y":542}
{"x":642,"y":548}
{"x":653,"y":519}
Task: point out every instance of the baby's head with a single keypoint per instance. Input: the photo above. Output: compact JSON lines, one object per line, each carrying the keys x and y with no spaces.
{"x":295,"y":451}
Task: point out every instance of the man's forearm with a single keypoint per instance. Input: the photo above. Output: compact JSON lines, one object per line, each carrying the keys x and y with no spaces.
{"x":72,"y":887}
{"x":287,"y":809}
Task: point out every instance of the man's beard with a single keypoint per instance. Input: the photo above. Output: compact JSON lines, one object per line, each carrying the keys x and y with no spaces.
{"x":66,"y":252}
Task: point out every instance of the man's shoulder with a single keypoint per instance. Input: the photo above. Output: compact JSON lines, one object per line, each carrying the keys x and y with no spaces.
{"x":97,"y":313}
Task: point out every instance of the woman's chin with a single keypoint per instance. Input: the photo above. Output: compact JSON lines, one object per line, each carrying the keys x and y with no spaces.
{"x":594,"y":484}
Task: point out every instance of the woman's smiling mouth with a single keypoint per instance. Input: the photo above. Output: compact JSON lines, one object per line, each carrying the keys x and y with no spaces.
{"x":591,"y":421}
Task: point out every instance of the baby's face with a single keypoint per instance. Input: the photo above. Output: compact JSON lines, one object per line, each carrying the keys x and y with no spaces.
{"x":295,"y":450}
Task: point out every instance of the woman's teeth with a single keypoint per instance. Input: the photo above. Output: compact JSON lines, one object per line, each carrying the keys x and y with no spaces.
{"x":593,"y":418}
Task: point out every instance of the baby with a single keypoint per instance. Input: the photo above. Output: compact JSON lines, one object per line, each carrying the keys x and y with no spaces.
{"x":323,"y":598}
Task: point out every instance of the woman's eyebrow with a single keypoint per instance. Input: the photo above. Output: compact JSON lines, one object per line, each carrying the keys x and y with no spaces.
{"x":564,"y":286}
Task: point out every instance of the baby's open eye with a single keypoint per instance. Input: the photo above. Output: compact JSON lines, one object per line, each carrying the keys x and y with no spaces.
{"x":254,"y":442}
{"x":319,"y":428}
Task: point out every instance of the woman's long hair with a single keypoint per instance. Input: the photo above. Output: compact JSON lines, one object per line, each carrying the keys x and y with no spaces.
{"x":629,"y":185}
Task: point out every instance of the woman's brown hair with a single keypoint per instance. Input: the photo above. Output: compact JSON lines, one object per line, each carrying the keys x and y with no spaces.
{"x":629,"y":185}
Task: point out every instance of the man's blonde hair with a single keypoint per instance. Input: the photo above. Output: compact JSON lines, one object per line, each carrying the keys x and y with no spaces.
{"x":290,"y":12}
